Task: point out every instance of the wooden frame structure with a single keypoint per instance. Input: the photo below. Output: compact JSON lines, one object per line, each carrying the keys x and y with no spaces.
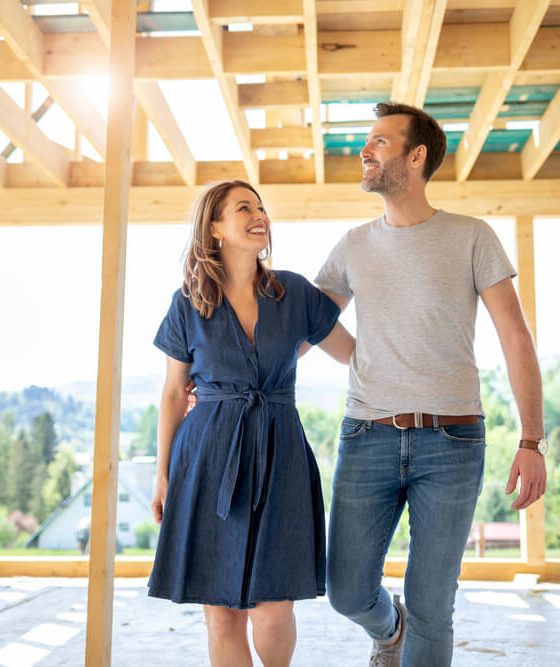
{"x":310,"y":57}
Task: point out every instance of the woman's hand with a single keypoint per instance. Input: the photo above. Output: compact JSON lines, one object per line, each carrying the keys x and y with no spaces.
{"x":160,"y":495}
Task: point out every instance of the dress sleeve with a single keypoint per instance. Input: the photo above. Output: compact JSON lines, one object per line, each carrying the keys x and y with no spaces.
{"x":322,"y":314}
{"x":171,"y":337}
{"x":490,"y":262}
{"x":333,"y":275}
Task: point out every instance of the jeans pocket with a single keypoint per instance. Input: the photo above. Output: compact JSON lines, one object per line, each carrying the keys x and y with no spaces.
{"x":351,"y":428}
{"x":473,"y":434}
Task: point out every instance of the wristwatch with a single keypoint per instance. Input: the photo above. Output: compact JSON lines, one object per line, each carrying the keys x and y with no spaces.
{"x":540,"y":446}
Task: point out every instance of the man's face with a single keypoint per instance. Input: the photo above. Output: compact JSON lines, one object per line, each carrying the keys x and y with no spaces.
{"x":384,"y":163}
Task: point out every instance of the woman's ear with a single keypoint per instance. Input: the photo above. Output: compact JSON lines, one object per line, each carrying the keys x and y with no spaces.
{"x":215,"y":232}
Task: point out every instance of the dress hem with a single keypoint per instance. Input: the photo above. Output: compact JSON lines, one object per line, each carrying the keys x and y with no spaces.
{"x":236,"y":605}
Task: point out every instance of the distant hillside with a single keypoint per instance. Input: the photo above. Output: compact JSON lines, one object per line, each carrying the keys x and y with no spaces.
{"x":74,"y":418}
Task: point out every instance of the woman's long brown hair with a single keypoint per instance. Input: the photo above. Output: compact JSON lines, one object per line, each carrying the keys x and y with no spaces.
{"x":204,"y":275}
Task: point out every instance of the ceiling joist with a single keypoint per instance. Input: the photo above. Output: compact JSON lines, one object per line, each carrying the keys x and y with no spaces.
{"x":23,"y":131}
{"x":523,"y":28}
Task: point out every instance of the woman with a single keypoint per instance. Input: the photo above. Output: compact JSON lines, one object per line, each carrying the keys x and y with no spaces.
{"x":237,"y":486}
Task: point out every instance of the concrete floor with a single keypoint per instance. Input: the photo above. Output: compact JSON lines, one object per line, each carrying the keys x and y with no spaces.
{"x":42,"y":622}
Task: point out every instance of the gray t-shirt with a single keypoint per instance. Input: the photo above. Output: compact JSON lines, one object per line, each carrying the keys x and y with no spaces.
{"x":416,"y":293}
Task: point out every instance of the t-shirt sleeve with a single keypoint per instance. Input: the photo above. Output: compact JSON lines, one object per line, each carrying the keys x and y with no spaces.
{"x":490,"y":262}
{"x":171,"y":336}
{"x":322,"y":313}
{"x":333,"y":275}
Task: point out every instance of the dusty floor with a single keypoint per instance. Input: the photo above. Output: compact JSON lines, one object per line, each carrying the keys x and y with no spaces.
{"x":42,"y":622}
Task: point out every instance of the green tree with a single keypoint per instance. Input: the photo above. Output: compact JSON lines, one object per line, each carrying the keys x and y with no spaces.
{"x":6,"y":448}
{"x":8,"y":532}
{"x":22,"y":468}
{"x":145,"y":442}
{"x":144,"y":532}
{"x":58,"y":485}
{"x":321,"y":428}
{"x":43,"y":437}
{"x":551,"y":396}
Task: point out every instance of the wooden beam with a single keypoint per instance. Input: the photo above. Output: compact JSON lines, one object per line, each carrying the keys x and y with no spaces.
{"x":100,"y":14}
{"x":358,"y":6}
{"x":473,"y":569}
{"x":24,"y":132}
{"x":107,"y":413}
{"x":22,"y":35}
{"x":157,"y":109}
{"x":288,"y":138}
{"x":153,"y":102}
{"x":292,"y":170}
{"x":139,"y":143}
{"x":215,"y":49}
{"x":463,"y":48}
{"x":11,"y":67}
{"x":467,"y":46}
{"x":223,"y":12}
{"x":421,"y":26}
{"x":274,"y":94}
{"x":543,"y":139}
{"x":68,"y":94}
{"x":497,"y":84}
{"x":331,"y":201}
{"x":253,"y":53}
{"x":359,"y":52}
{"x":532,"y":520}
{"x":30,"y":46}
{"x":310,"y":28}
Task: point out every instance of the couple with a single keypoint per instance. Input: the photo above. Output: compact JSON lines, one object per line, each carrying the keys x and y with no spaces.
{"x":238,"y":490}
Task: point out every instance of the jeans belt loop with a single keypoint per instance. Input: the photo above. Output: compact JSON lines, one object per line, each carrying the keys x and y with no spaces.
{"x":418,"y":420}
{"x":435,"y":419}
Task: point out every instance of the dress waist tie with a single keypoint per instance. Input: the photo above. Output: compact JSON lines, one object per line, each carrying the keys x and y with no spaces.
{"x":258,"y":400}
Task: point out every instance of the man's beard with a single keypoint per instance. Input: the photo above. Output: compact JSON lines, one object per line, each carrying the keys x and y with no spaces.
{"x":390,"y":179}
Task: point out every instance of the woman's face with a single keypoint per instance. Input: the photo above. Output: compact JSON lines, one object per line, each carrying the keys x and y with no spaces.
{"x":244,"y":225}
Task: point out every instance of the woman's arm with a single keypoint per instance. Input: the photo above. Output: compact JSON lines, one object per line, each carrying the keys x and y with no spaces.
{"x":339,"y":344}
{"x":173,"y":407}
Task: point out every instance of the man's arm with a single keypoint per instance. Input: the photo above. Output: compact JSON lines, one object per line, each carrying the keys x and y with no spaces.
{"x":341,"y":302}
{"x":525,"y":380}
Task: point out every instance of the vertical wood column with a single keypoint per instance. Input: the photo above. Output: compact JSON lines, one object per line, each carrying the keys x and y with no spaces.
{"x":107,"y":418}
{"x":532,"y":519}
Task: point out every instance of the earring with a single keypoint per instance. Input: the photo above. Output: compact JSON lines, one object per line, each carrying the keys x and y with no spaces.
{"x":264,"y":254}
{"x":220,"y":243}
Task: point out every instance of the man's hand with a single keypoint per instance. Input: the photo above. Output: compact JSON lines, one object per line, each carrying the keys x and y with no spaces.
{"x":191,"y":398}
{"x":529,"y":467}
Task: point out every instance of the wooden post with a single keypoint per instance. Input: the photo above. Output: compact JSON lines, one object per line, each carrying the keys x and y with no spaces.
{"x":105,"y":465}
{"x":531,"y":520}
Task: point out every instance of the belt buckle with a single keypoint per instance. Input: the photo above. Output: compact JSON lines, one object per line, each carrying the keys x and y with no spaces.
{"x":417,"y":421}
{"x":401,"y":428}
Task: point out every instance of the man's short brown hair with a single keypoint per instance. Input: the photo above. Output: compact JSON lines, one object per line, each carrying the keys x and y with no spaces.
{"x":422,"y":130}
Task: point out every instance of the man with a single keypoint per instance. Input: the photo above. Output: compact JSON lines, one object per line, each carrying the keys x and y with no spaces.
{"x":414,"y":431}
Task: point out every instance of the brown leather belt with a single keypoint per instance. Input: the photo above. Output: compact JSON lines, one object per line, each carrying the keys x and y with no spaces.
{"x":421,"y":420}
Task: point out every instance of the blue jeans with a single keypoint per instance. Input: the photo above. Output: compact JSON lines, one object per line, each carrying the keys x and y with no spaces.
{"x":438,"y":471}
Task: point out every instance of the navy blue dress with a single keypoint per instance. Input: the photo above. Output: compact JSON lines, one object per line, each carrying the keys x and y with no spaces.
{"x":244,"y":519}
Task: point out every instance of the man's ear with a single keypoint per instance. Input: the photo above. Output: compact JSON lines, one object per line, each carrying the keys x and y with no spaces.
{"x":419,"y":155}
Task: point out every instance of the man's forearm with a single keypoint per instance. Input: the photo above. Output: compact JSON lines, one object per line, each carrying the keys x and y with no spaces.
{"x":525,"y":380}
